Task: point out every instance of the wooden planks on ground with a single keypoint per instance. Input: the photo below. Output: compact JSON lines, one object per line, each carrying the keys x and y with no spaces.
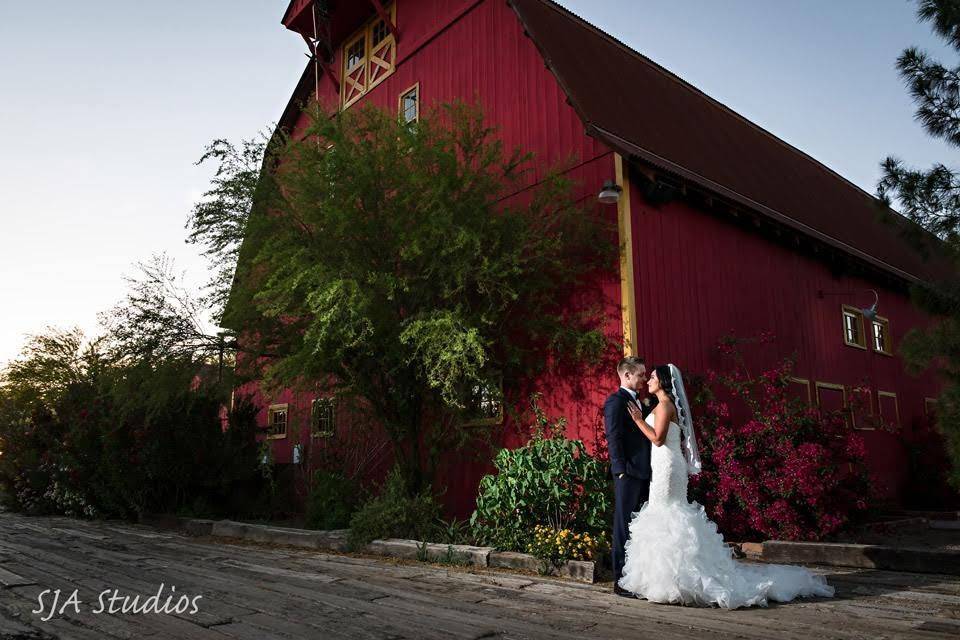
{"x":266,"y":593}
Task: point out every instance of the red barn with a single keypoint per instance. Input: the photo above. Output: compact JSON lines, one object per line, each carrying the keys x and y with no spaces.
{"x":747,"y":233}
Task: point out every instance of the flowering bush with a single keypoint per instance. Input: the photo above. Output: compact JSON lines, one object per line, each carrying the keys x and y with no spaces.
{"x":553,"y":548}
{"x":549,"y":481}
{"x":773,"y":466}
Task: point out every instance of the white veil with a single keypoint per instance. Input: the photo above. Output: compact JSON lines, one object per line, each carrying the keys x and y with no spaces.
{"x":689,"y":445}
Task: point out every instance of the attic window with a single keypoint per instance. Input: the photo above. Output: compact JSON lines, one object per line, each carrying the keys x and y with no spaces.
{"x":369,"y":56}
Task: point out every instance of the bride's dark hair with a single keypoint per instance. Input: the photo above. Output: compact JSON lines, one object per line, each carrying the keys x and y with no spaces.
{"x":666,"y":380}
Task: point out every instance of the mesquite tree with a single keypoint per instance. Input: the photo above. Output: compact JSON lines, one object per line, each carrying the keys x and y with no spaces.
{"x":417,"y":267}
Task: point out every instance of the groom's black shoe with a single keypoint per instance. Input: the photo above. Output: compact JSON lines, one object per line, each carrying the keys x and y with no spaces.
{"x":623,"y":593}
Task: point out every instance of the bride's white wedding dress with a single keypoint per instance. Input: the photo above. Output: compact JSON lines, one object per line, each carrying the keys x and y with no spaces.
{"x":675,"y":554}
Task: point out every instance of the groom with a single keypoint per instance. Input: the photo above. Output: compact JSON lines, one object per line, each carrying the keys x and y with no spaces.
{"x":629,"y":454}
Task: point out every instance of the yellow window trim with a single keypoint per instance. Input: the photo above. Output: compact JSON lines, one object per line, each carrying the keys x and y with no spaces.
{"x":853,"y":311}
{"x":273,"y":409}
{"x":896,"y":404}
{"x":806,"y":383}
{"x":404,"y":94}
{"x":887,"y":350}
{"x":379,"y":61}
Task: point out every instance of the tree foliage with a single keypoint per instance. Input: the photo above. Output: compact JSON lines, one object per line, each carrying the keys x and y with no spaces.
{"x":413,"y":266}
{"x":218,"y":221}
{"x":931,"y":199}
{"x":84,"y":434}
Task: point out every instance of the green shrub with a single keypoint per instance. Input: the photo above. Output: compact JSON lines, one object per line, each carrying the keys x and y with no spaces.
{"x":394,"y":514}
{"x":549,"y":481}
{"x":331,"y":501}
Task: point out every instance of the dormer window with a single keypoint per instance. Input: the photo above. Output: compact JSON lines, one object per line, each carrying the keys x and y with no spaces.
{"x":369,"y":56}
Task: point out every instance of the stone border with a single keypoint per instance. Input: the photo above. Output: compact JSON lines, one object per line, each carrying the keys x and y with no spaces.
{"x":864,"y":556}
{"x":336,"y":541}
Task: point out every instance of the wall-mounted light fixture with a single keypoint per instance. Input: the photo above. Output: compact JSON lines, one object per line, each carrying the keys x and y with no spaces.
{"x":610,"y":194}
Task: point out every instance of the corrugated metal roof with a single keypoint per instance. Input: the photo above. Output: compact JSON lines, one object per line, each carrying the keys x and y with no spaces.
{"x":646,"y":112}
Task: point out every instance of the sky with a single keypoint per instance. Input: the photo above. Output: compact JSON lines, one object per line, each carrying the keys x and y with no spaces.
{"x":105,"y":106}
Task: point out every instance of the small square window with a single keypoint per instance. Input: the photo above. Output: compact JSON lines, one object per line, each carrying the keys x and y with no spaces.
{"x":322,"y":416}
{"x":277,"y":422}
{"x":410,"y":105}
{"x":853,"y":334}
{"x":881,"y":336}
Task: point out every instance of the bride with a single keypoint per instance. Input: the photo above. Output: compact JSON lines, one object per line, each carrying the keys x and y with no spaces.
{"x":674,"y":553}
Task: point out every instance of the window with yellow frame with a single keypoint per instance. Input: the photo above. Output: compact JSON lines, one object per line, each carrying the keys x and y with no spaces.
{"x":277,"y":419}
{"x":853,"y":334}
{"x":881,"y":336}
{"x":409,"y":106}
{"x":369,"y":57}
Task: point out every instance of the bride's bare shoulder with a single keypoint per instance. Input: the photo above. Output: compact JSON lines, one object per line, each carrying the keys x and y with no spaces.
{"x":667,"y":409}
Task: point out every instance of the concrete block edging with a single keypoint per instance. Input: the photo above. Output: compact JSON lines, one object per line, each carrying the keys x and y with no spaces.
{"x":336,"y":541}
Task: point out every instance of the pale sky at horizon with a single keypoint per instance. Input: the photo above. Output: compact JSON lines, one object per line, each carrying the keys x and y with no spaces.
{"x":105,"y":106}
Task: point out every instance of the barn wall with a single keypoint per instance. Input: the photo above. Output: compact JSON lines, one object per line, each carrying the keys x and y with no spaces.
{"x":700,"y":277}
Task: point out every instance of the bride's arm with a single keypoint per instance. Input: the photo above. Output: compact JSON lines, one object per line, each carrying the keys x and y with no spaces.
{"x":661,"y":422}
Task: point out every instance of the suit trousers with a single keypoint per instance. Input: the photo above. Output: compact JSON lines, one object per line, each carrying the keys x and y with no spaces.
{"x":629,"y":495}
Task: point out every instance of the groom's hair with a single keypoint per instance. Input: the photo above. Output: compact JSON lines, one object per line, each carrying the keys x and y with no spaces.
{"x":630,"y":363}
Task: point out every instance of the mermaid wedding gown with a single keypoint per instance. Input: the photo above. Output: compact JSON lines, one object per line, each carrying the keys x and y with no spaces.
{"x":675,"y":554}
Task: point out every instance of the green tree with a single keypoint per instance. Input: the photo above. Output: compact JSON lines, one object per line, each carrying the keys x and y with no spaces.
{"x":414,"y":267}
{"x":931,"y":198}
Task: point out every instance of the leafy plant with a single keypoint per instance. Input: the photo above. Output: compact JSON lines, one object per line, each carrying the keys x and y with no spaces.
{"x":394,"y":514}
{"x":454,"y":531}
{"x":331,"y":501}
{"x":549,"y":481}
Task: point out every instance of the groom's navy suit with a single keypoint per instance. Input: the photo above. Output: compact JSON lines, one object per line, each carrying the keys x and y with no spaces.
{"x":629,"y":455}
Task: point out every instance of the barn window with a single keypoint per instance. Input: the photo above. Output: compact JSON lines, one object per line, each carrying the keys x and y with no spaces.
{"x":930,"y":407}
{"x":853,"y":335}
{"x":322,"y":415}
{"x":799,"y":389}
{"x":881,"y":336}
{"x":410,"y":104}
{"x":368,"y":58}
{"x":889,"y":409}
{"x":277,"y":421}
{"x":832,"y":397}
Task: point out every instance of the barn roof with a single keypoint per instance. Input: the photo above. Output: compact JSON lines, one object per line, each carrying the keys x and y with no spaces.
{"x":645,"y":112}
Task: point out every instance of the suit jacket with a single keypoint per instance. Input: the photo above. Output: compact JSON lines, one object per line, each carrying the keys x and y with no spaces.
{"x":629,"y":449}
